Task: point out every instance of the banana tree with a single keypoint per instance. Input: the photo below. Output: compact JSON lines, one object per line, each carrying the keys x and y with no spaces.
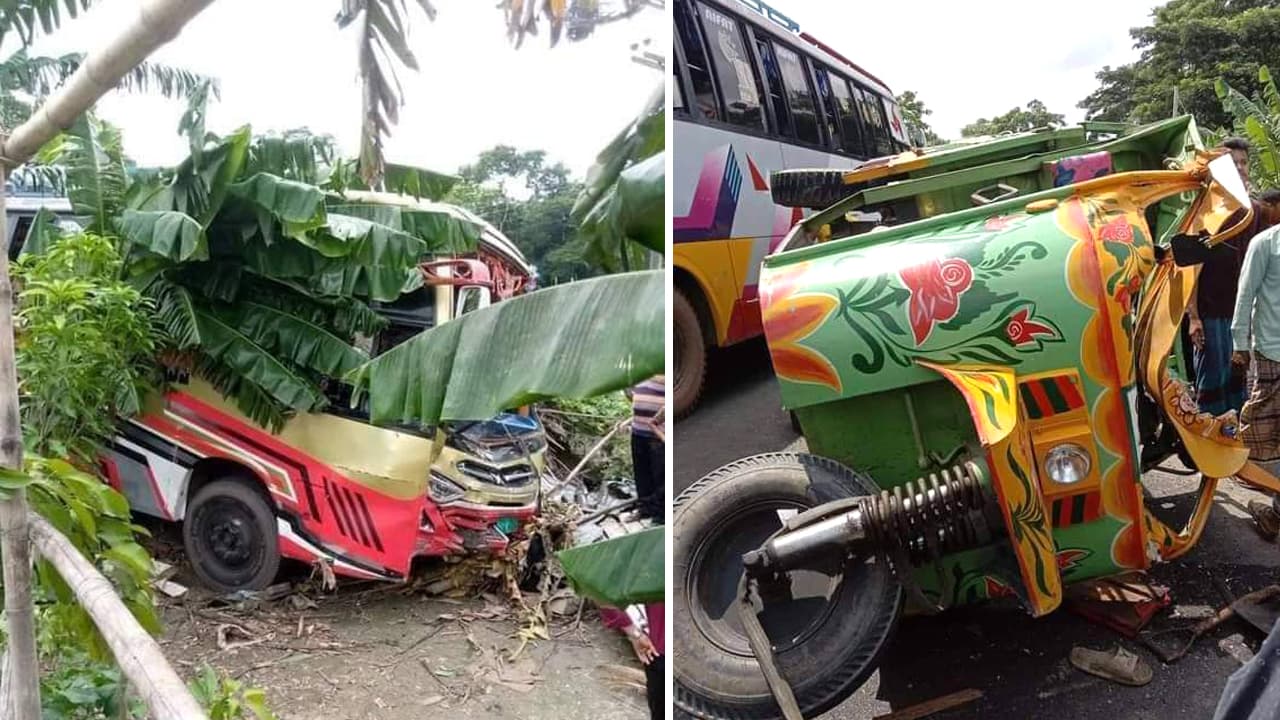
{"x":382,"y":27}
{"x":260,"y":268}
{"x":1259,"y":120}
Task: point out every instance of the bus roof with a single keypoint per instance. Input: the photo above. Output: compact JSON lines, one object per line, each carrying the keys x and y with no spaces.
{"x":490,"y":236}
{"x":769,"y":18}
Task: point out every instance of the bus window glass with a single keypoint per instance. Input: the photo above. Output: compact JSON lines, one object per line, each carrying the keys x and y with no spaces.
{"x":737,"y":80}
{"x":677,"y":104}
{"x":703,"y":92}
{"x":773,"y":84}
{"x":847,"y":111}
{"x":873,"y":120}
{"x":827,"y":107}
{"x":799,"y":95}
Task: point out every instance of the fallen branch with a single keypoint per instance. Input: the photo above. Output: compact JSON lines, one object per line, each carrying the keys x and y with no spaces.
{"x":625,"y":422}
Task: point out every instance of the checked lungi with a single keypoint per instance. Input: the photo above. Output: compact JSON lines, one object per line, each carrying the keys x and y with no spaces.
{"x":1260,"y":419}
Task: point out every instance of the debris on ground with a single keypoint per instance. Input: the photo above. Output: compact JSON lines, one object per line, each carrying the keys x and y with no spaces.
{"x":1118,"y":665}
{"x":1125,"y":603}
{"x":1173,"y":644}
{"x":936,"y":705}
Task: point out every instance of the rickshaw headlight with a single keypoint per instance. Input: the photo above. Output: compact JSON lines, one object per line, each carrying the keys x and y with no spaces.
{"x":1067,"y":464}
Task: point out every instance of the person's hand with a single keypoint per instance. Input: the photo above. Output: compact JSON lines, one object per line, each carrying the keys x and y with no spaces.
{"x":1240,"y":358}
{"x":643,"y":647}
{"x":1197,"y":333}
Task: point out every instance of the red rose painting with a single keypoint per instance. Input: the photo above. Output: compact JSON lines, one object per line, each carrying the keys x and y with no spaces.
{"x":936,"y":287}
{"x":1022,"y":330}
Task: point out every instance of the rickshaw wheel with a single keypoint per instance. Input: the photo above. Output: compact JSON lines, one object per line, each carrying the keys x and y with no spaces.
{"x":827,"y":633}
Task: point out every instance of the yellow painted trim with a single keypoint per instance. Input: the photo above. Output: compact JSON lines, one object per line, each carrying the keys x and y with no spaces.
{"x":991,"y":394}
{"x":1002,"y":428}
{"x":1167,"y":544}
{"x":711,"y":263}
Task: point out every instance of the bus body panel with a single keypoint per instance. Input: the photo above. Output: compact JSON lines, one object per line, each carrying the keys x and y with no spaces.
{"x":725,"y":221}
{"x":368,"y":512}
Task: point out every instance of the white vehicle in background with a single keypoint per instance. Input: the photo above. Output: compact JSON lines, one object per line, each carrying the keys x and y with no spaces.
{"x":752,"y":95}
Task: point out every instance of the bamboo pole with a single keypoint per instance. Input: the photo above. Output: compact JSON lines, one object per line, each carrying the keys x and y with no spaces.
{"x":157,"y":23}
{"x":20,"y":693}
{"x":136,"y":652}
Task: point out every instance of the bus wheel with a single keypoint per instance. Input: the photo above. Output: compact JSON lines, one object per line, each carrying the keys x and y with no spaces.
{"x":691,"y":356}
{"x":230,"y":537}
{"x":816,"y":189}
{"x":827,"y":632}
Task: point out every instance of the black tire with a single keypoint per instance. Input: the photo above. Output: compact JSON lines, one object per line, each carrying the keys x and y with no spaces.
{"x":230,"y":537}
{"x":690,"y":355}
{"x":831,"y":647}
{"x":815,"y":189}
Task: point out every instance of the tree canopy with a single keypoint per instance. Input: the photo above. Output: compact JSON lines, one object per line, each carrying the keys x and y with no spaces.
{"x":1034,"y":115}
{"x":1188,"y":47}
{"x":528,"y":199}
{"x":914,"y":112}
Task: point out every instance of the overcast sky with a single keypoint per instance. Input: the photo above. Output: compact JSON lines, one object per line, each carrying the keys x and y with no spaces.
{"x":968,"y":60}
{"x":284,"y":64}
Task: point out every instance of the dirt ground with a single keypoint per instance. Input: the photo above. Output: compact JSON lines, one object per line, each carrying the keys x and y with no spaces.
{"x":371,"y":651}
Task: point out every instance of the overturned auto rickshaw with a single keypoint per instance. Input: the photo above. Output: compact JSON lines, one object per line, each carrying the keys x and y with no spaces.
{"x":980,"y":388}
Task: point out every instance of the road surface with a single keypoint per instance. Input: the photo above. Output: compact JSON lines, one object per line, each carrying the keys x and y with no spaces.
{"x":1018,"y":663}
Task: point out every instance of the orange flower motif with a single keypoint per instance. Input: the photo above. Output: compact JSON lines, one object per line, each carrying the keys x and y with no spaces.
{"x":787,"y":321}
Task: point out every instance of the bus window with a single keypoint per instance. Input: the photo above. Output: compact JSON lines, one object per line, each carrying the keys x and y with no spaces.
{"x":873,"y":120}
{"x":799,"y":95}
{"x":732,"y":63}
{"x":677,"y":103}
{"x":773,"y":82}
{"x":847,"y":111}
{"x":826,"y":108}
{"x":704,"y":93}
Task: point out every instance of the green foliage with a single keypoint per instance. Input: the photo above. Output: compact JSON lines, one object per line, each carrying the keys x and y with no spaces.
{"x":78,"y":687}
{"x":382,"y":29}
{"x":914,"y":113}
{"x":1017,"y":120}
{"x":619,"y":209}
{"x":84,"y":345}
{"x":245,"y":232}
{"x":1257,"y":119}
{"x":576,"y":425}
{"x":228,"y":699}
{"x":1188,"y":46}
{"x":574,"y":340}
{"x":538,"y":224}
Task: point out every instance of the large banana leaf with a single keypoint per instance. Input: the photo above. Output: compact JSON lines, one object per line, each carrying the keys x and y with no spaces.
{"x":574,"y":340}
{"x":296,"y":340}
{"x":229,"y":347}
{"x":444,"y":228}
{"x":199,"y":185}
{"x":623,"y":199}
{"x":297,"y":206}
{"x":356,"y":274}
{"x":622,"y":571}
{"x":92,"y":154}
{"x":169,"y":234}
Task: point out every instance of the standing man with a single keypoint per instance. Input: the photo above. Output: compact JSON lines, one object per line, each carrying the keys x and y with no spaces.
{"x":1255,"y":327}
{"x":648,"y":416}
{"x":1220,"y":386}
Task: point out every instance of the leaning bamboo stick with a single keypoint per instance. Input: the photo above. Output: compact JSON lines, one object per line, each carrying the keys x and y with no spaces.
{"x":136,"y":652}
{"x":157,"y":23}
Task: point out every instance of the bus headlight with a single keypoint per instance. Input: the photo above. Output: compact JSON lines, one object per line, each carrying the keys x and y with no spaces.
{"x":444,"y":490}
{"x":1067,"y":464}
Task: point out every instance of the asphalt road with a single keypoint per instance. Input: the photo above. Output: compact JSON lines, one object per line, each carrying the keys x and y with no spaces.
{"x":1018,"y":663}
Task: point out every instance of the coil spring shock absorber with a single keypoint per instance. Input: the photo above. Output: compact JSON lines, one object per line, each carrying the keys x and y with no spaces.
{"x":938,"y":514}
